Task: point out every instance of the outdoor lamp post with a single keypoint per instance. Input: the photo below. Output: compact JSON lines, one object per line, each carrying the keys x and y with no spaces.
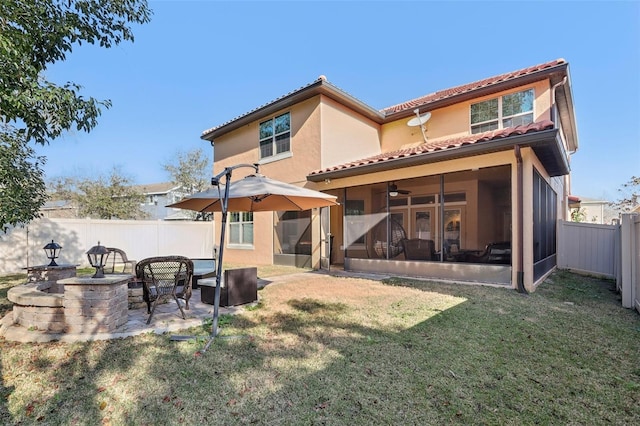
{"x":96,"y":255}
{"x":52,"y":250}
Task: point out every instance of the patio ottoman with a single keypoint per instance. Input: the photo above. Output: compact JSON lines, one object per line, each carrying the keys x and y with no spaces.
{"x":202,"y":268}
{"x":238,"y":286}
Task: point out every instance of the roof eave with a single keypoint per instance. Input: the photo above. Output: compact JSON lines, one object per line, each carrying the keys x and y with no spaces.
{"x":546,"y":144}
{"x":319,"y":87}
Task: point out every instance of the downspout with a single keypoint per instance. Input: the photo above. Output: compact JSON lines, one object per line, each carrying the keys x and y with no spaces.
{"x":519,"y":215}
{"x":553,"y":100}
{"x":554,"y":108}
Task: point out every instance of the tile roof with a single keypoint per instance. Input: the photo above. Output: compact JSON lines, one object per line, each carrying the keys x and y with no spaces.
{"x":442,"y":145}
{"x":320,"y":82}
{"x":321,"y":85}
{"x":454,"y":91}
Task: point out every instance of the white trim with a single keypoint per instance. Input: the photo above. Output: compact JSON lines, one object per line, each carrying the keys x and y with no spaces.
{"x":500,"y":118}
{"x":276,"y":157}
{"x":240,"y":246}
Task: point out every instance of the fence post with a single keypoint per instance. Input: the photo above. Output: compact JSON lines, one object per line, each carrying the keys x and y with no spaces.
{"x":626,"y":257}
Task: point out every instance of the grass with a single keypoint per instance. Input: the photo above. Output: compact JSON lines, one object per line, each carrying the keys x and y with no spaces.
{"x":329,"y":350}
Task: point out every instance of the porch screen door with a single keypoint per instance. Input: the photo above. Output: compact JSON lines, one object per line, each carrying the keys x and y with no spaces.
{"x":326,"y":238}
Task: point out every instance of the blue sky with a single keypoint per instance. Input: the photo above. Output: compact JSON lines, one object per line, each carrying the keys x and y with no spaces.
{"x":198,"y":64}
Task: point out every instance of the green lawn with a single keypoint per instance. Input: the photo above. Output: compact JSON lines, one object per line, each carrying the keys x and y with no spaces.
{"x":346,"y":351}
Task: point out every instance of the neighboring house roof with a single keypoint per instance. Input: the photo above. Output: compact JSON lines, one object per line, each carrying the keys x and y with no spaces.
{"x":156,"y":188}
{"x":544,"y":143}
{"x":179,"y":215}
{"x":58,"y":205}
{"x":555,"y":70}
{"x":574,"y":201}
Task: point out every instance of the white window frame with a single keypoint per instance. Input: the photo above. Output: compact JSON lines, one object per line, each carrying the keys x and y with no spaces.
{"x":500,"y":118}
{"x":241,"y":223}
{"x":273,"y":138}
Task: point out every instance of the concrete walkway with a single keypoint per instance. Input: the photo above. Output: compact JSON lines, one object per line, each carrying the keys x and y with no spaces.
{"x":166,"y":319}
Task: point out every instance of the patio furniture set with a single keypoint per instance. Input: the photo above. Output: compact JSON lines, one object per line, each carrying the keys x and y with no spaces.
{"x":164,"y":278}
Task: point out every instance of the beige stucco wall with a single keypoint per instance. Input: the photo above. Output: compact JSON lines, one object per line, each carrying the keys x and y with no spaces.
{"x":242,"y":146}
{"x":346,"y":136}
{"x":454,"y":121}
{"x":308,"y":124}
{"x":325,"y":133}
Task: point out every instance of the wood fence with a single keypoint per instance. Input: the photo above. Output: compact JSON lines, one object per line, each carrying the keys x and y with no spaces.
{"x":23,"y":247}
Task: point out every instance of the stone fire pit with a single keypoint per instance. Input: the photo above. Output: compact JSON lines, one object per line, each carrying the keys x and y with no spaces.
{"x":55,"y":300}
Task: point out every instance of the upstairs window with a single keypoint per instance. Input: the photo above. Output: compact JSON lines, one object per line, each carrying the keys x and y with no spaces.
{"x":510,"y":110}
{"x":275,"y":136}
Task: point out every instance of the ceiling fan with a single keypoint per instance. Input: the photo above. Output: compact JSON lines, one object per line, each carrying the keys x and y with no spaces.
{"x":394,"y":191}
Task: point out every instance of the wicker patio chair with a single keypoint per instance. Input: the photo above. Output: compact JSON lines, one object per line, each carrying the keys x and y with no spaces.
{"x":117,"y":262}
{"x":165,"y":277}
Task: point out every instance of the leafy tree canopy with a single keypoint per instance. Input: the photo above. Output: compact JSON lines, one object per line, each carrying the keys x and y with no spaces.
{"x":110,"y":197}
{"x":22,"y":189}
{"x":192,"y":173}
{"x":36,"y":33}
{"x":629,"y":196}
{"x":33,"y":35}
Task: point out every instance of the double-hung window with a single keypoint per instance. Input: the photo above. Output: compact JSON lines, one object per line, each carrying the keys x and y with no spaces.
{"x":510,"y":110}
{"x":241,"y":228}
{"x":275,"y":136}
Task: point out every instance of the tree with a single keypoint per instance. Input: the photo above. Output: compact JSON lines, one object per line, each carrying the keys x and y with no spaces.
{"x":629,"y":196}
{"x":113,"y":197}
{"x":578,"y":215}
{"x":192,"y":173}
{"x":22,"y":189}
{"x":33,"y":35}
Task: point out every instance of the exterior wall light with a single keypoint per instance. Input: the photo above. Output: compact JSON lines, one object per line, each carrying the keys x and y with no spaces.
{"x":96,"y":256}
{"x":53,"y":251}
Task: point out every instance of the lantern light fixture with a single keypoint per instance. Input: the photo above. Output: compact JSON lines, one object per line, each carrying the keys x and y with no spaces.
{"x":97,"y":258}
{"x":52,"y":251}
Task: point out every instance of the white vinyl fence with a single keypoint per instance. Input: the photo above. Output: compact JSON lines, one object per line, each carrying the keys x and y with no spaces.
{"x":611,"y":251}
{"x":588,"y":248}
{"x":23,"y":247}
{"x":628,"y":278}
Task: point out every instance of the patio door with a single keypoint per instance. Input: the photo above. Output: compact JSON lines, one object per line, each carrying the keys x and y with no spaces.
{"x":423,"y":224}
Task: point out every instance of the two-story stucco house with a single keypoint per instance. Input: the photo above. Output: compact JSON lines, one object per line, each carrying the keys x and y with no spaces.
{"x":467,"y":183}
